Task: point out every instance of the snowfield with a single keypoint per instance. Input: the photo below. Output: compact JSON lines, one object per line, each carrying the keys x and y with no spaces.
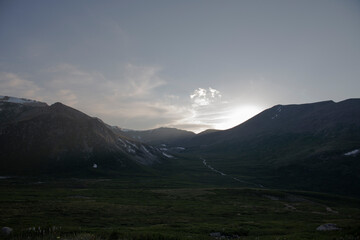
{"x":353,"y":152}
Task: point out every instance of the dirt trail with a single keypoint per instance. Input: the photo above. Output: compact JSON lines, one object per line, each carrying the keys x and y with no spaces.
{"x":224,"y":174}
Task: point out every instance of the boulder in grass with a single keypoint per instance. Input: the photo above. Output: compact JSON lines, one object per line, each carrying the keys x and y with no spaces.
{"x":215,"y":234}
{"x":327,"y":227}
{"x":6,"y":231}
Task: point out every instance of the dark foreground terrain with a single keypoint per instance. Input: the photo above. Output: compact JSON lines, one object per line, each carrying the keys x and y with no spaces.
{"x":144,"y":209}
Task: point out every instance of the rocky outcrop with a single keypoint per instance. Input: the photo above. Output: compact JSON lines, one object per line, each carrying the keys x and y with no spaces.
{"x":6,"y":231}
{"x":327,"y":227}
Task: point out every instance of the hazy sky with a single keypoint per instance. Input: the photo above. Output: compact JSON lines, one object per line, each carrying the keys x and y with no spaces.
{"x":187,"y":64}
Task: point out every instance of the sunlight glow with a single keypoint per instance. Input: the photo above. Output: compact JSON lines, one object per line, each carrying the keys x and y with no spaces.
{"x":238,"y":115}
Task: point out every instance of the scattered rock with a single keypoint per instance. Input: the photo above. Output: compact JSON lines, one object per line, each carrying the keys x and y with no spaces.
{"x":272,"y":197}
{"x":289,"y":207}
{"x":330,"y":210}
{"x":6,"y":231}
{"x":327,"y":227}
{"x":228,"y":236}
{"x":215,"y":234}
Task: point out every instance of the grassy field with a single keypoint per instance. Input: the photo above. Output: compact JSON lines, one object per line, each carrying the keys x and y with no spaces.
{"x":145,"y":209}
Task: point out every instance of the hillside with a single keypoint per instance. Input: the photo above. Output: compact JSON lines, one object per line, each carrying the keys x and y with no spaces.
{"x":37,"y":138}
{"x":168,"y":136}
{"x":307,"y":146}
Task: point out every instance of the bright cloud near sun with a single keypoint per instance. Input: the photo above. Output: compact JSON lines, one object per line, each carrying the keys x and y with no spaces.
{"x":204,"y":97}
{"x":210,"y":111}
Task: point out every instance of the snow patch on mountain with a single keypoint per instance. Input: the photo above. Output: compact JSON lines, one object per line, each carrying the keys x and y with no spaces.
{"x":126,"y":130}
{"x":180,"y":148}
{"x":278,"y":110}
{"x":167,"y":155}
{"x":132,"y":144}
{"x":128,"y":145}
{"x":145,"y":149}
{"x":130,"y":149}
{"x":275,"y":116}
{"x":20,"y":101}
{"x":123,"y":143}
{"x":353,"y":152}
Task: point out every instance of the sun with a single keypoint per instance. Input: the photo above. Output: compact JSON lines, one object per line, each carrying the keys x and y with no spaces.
{"x":237,"y":115}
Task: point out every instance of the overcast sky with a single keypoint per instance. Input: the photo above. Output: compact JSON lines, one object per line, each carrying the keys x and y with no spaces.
{"x":187,"y":64}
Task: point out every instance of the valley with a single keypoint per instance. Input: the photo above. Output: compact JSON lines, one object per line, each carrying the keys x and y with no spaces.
{"x":283,"y":174}
{"x":179,"y":120}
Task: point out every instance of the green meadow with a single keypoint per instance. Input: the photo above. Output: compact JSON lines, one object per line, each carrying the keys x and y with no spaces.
{"x":147,"y":209}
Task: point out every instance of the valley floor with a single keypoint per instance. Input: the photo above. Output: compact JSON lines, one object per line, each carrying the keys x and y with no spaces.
{"x":111,"y":209}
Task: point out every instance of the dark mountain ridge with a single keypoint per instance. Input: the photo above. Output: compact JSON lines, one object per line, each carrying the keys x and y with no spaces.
{"x":307,"y":146}
{"x":157,"y":136}
{"x":56,"y":138}
{"x":326,"y":118}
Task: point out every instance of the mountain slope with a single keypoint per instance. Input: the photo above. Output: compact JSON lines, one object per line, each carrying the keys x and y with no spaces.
{"x":40,"y":138}
{"x":294,"y":146}
{"x":168,"y":136}
{"x":328,"y":119}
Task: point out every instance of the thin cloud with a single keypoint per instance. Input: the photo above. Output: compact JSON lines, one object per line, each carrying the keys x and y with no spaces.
{"x":67,"y":96}
{"x":131,"y":100}
{"x":13,"y":85}
{"x":142,"y":80}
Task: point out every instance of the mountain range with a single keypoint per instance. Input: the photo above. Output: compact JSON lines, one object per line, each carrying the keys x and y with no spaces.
{"x":313,"y":146}
{"x":36,"y":138}
{"x":308,"y":146}
{"x":158,"y":136}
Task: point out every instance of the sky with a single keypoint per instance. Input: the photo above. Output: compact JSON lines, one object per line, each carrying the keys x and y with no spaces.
{"x":189,"y":64}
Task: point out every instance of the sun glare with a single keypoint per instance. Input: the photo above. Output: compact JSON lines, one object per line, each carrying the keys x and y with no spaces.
{"x":238,"y":115}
